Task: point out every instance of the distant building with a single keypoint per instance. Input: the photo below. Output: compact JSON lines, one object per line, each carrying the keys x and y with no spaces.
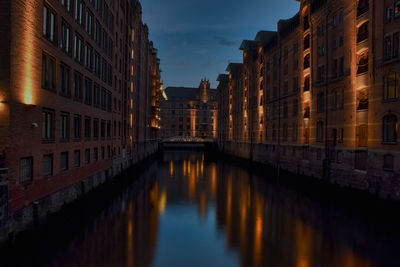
{"x":190,"y":111}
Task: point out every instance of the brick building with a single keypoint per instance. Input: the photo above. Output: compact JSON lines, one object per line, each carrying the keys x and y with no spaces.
{"x":320,"y":95}
{"x":77,"y":84}
{"x":190,"y":111}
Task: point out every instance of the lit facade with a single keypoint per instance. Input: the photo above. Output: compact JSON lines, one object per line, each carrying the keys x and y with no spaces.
{"x":190,"y":111}
{"x":320,"y":95}
{"x":77,"y":86}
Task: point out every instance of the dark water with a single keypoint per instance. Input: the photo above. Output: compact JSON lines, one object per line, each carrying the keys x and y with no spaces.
{"x":186,"y":210}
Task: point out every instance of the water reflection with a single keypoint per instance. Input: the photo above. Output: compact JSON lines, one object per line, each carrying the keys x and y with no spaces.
{"x":187,"y":211}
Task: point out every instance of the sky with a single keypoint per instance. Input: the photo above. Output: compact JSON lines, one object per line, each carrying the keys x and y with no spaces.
{"x":199,"y":38}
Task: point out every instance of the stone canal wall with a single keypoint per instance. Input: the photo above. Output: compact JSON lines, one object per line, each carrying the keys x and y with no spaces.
{"x":308,"y":160}
{"x":12,"y":222}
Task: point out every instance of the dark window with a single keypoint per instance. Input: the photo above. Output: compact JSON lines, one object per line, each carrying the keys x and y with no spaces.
{"x":77,"y":158}
{"x":396,"y":45}
{"x":95,"y":129}
{"x":88,"y":92}
{"x":78,"y":51}
{"x":388,"y":162}
{"x":388,"y":48}
{"x":87,"y":156}
{"x":361,"y":160}
{"x":49,"y":24}
{"x":307,"y":61}
{"x":48,"y":165}
{"x":89,"y":22}
{"x":96,"y":154}
{"x":78,"y":86}
{"x":26,"y":170}
{"x":48,"y":72}
{"x":64,"y":127}
{"x":96,"y":95}
{"x":64,"y":161}
{"x":389,"y":129}
{"x":362,"y":32}
{"x":67,"y":4}
{"x":97,"y":33}
{"x":87,"y":128}
{"x":295,"y":107}
{"x":79,"y":11}
{"x":65,"y":37}
{"x":64,"y":80}
{"x":47,"y":125}
{"x":77,"y":127}
{"x":89,"y":57}
{"x":320,"y":102}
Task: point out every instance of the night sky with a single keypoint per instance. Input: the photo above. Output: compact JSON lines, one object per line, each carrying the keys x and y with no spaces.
{"x":198,"y":38}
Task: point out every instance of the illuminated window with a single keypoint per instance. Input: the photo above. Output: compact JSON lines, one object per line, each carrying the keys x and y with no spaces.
{"x":48,"y":72}
{"x":49,"y":24}
{"x":391,"y":83}
{"x":26,"y":170}
{"x":389,"y":134}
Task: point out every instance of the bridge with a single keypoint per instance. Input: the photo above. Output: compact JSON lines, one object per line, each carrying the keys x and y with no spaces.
{"x":186,"y":142}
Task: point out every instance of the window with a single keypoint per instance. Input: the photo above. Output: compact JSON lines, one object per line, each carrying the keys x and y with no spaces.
{"x":361,"y":158}
{"x":104,"y":70}
{"x":396,"y":45}
{"x":49,"y":24}
{"x":307,"y":42}
{"x":109,"y":74}
{"x":98,"y":6}
{"x":67,"y":4}
{"x":320,"y":102}
{"x":87,"y":128}
{"x":64,"y":161}
{"x":97,"y":64}
{"x":47,"y":125}
{"x":295,"y":107}
{"x":307,"y":84}
{"x":285,"y":132}
{"x":108,"y":129}
{"x":341,"y":40}
{"x":341,"y":16}
{"x":105,"y":41}
{"x":307,"y":61}
{"x":102,"y":153}
{"x":89,"y":57}
{"x":95,"y":129}
{"x":397,"y":10}
{"x":48,"y":72}
{"x":335,"y":68}
{"x":285,"y":110}
{"x":79,"y":11}
{"x":111,"y":23}
{"x":97,"y":33}
{"x":109,"y":104}
{"x":77,"y":158}
{"x":89,"y":22}
{"x":294,"y":132}
{"x":341,"y":66}
{"x":78,"y":86}
{"x":77,"y":127}
{"x":96,"y":154}
{"x":64,"y":80}
{"x":96,"y":94}
{"x":320,"y":131}
{"x":78,"y":52}
{"x":388,"y":162}
{"x":363,"y":135}
{"x":295,"y":84}
{"x":391,"y":83}
{"x":389,"y":11}
{"x":65,"y":37}
{"x":26,"y":170}
{"x":362,"y":66}
{"x":88,"y":92}
{"x":87,"y":156}
{"x":48,"y":165}
{"x":103,"y":129}
{"x":103,"y":99}
{"x":64,"y":127}
{"x":341,"y":135}
{"x":389,"y":129}
{"x":362,"y":32}
{"x":335,"y":20}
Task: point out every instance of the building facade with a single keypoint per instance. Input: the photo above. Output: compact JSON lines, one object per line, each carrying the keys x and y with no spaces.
{"x":77,"y":84}
{"x":320,"y":95}
{"x":190,"y":112}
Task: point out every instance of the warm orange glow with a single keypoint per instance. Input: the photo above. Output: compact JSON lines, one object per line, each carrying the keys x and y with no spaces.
{"x":184,"y":167}
{"x":192,"y":186}
{"x":171,"y":168}
{"x":28,"y":54}
{"x":131,"y":120}
{"x":307,"y":97}
{"x":162,"y":203}
{"x":132,"y":89}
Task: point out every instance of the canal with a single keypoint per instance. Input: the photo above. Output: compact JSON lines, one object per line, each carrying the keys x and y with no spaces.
{"x":190,"y":209}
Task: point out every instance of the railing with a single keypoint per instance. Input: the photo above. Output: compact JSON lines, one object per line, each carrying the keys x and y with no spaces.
{"x":362,"y":68}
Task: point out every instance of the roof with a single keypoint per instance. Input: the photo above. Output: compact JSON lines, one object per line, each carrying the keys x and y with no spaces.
{"x":223,"y":78}
{"x":248,"y":45}
{"x":184,"y":93}
{"x":264,"y":37}
{"x":233,"y":66}
{"x":289,"y":25}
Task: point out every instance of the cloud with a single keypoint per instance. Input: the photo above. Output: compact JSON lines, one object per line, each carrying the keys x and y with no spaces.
{"x":225,"y":42}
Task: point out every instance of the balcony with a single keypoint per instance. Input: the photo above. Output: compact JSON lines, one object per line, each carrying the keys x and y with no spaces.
{"x":363,"y":7}
{"x":361,"y":36}
{"x":307,"y":113}
{"x":362,"y":68}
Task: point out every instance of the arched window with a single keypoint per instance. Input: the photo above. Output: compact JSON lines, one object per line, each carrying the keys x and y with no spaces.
{"x":362,"y":33}
{"x":391,"y":85}
{"x":389,"y":133}
{"x":307,"y":42}
{"x":307,"y":61}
